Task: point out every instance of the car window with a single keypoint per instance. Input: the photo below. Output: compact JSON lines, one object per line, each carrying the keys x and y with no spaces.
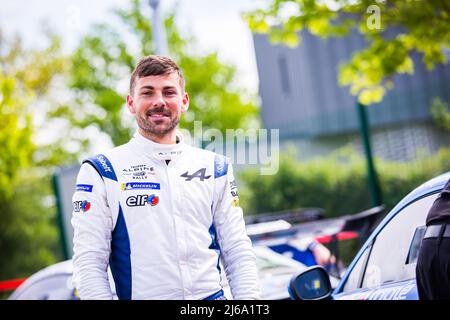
{"x":354,"y":279}
{"x":413,"y":253}
{"x":388,"y":260}
{"x":55,"y":287}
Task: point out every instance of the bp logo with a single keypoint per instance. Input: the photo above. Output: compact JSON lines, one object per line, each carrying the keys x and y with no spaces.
{"x":81,"y":206}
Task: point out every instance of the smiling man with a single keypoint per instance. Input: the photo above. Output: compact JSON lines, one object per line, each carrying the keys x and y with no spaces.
{"x":159,"y":212}
{"x":157,"y":101}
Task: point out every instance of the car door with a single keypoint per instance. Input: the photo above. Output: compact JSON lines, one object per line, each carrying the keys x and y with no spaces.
{"x":386,"y":268}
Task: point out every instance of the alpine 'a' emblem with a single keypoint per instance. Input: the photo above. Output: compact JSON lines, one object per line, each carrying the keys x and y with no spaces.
{"x":201,"y":174}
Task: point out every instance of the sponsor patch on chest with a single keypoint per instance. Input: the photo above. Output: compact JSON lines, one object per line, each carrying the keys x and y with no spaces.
{"x":142,"y":200}
{"x":138,"y":172}
{"x":140,"y":185}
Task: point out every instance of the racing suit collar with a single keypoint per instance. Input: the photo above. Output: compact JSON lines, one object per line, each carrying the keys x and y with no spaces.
{"x":157,"y":150}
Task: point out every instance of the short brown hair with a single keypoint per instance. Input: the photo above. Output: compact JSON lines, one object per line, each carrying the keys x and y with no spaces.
{"x":154,"y":65}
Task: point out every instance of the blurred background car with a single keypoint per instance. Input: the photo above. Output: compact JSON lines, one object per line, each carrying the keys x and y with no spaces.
{"x":274,"y":270}
{"x":51,"y":283}
{"x":384,"y":268}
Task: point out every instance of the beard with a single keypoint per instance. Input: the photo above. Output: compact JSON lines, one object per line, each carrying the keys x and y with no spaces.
{"x":159,"y":127}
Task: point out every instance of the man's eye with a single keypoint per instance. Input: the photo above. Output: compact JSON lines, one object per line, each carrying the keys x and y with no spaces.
{"x":146,"y":93}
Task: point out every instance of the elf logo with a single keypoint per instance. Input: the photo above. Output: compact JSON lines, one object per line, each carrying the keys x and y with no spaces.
{"x":142,"y":200}
{"x":82,"y":206}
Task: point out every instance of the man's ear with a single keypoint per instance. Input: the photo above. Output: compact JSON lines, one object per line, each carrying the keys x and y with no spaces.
{"x":185,"y":104}
{"x":130,"y":104}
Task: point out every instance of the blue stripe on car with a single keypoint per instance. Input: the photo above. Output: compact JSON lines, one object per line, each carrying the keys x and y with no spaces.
{"x":120,"y":260}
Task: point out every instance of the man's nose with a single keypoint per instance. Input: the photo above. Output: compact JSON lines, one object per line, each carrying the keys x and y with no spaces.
{"x":158,"y":100}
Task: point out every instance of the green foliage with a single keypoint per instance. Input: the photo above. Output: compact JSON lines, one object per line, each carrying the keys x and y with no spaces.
{"x":15,"y":144}
{"x":421,"y":25}
{"x":441,"y":114}
{"x":336,"y":183}
{"x":26,"y":77}
{"x":28,"y":237}
{"x":104,"y":60}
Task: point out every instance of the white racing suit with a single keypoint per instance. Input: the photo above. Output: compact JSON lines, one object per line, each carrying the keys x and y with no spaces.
{"x":160,"y":225}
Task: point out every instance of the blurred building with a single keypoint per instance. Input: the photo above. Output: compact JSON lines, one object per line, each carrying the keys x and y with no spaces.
{"x":300,"y":96}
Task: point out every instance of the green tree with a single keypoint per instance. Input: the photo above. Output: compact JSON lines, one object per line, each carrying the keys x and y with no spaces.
{"x":28,"y":236}
{"x":421,"y":25}
{"x":441,"y":114}
{"x":337,"y":183}
{"x":105,"y":58}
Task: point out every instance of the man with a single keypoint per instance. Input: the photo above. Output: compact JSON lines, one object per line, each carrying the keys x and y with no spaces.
{"x":433,"y":263}
{"x":160,"y":213}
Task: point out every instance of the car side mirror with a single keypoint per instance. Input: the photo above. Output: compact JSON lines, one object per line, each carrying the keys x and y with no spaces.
{"x":311,"y":284}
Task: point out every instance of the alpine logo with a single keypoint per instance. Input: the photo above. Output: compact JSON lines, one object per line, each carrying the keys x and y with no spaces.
{"x":142,"y":200}
{"x":201,"y":174}
{"x":138,"y":172}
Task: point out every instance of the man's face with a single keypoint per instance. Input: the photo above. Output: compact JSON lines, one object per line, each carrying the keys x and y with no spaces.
{"x":157,"y":103}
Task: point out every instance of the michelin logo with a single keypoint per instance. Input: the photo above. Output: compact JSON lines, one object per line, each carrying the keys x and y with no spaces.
{"x":140,"y":185}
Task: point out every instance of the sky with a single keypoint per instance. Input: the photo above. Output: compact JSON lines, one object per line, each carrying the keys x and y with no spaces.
{"x":216,"y":24}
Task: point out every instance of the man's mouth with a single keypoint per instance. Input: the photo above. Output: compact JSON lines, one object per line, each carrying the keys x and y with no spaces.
{"x":157,"y":114}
